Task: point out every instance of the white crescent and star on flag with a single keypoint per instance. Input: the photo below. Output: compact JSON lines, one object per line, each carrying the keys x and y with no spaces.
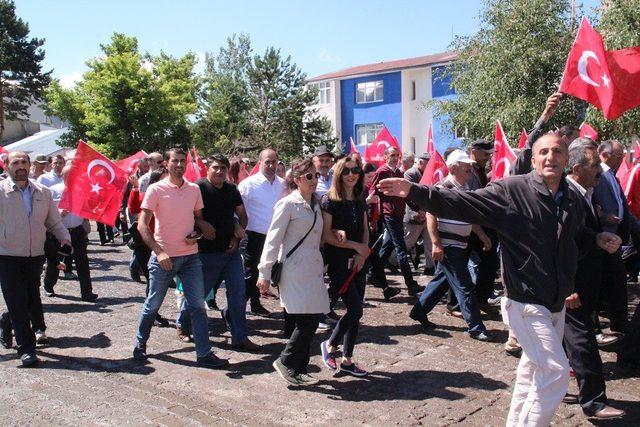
{"x":95,"y":188}
{"x":584,"y":74}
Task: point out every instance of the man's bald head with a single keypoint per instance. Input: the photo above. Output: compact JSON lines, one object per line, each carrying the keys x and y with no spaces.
{"x":550,"y":157}
{"x":268,"y":163}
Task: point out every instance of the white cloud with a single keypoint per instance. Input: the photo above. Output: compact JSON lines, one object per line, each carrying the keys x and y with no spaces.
{"x":69,"y":80}
{"x":326,"y":56}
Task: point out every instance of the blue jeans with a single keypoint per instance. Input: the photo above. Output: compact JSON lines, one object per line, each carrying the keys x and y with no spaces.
{"x":395,"y":239}
{"x":453,"y":271}
{"x":227,"y":266}
{"x":189,"y":269}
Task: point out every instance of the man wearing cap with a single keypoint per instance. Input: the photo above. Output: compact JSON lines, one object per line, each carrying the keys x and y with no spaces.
{"x":38,"y":167}
{"x":415,"y":221}
{"x":55,"y":175}
{"x":323,"y":161}
{"x":449,"y":239}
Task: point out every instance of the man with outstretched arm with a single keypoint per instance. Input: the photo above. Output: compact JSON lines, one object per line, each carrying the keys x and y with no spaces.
{"x":540,"y":226}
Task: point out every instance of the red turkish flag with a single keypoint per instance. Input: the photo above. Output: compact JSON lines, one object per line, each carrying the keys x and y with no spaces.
{"x":255,"y":169}
{"x":431,"y":148}
{"x":503,"y":155}
{"x":375,"y":151}
{"x":94,"y":186}
{"x":202,"y":168}
{"x":130,"y":164}
{"x":2,"y":151}
{"x":191,"y":172}
{"x":588,"y":131}
{"x":352,"y":146}
{"x":632,"y":189}
{"x":608,"y":80}
{"x":522,"y":143}
{"x":623,"y":172}
{"x":435,"y":171}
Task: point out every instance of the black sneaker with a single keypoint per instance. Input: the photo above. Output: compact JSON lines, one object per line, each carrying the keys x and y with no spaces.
{"x":29,"y":359}
{"x":417,"y":315}
{"x":161,"y":322}
{"x":353,"y":369}
{"x":48,"y":291}
{"x":135,"y":275}
{"x":415,"y":289}
{"x":212,"y":361}
{"x":6,"y":336}
{"x":90,"y":297}
{"x":390,"y":292}
{"x":140,"y":352}
{"x":259,"y":310}
{"x":484,"y":336}
{"x":211,"y":303}
{"x":287,"y":374}
{"x":224,"y":313}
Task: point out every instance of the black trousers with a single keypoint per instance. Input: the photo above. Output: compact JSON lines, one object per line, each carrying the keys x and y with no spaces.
{"x":297,"y":352}
{"x":489,"y":263}
{"x":20,"y":283}
{"x":584,"y":357}
{"x":79,"y":243}
{"x":105,"y":232}
{"x":253,"y":251}
{"x":346,"y":330}
{"x":614,"y":290}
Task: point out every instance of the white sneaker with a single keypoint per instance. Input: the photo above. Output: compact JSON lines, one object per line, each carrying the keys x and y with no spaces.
{"x":41,"y":337}
{"x":322,"y":326}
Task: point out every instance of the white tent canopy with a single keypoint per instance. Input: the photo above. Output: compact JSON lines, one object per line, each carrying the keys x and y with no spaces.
{"x":44,"y":142}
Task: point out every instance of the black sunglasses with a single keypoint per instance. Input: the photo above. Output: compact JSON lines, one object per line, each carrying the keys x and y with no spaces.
{"x":356,"y":170}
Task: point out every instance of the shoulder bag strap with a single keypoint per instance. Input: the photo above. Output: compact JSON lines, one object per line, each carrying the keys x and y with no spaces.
{"x":315,"y":217}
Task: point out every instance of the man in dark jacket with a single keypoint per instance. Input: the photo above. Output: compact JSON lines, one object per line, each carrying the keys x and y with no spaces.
{"x":584,"y":172}
{"x":540,"y":227}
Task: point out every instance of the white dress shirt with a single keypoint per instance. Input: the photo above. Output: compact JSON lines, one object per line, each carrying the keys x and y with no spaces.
{"x":69,"y":220}
{"x":259,"y":197}
{"x":324,"y":184}
{"x":49,"y":179}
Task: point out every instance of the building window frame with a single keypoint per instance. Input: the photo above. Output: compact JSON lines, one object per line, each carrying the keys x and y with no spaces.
{"x":369,"y":92}
{"x":366,"y":133}
{"x":324,"y":92}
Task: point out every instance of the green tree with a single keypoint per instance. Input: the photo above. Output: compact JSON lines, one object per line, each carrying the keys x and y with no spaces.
{"x":22,"y":80}
{"x":507,"y":70}
{"x":619,"y":23}
{"x":128,"y":101}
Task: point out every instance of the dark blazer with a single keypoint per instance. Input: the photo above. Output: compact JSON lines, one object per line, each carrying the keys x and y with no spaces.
{"x":606,"y":198}
{"x":589,"y":273}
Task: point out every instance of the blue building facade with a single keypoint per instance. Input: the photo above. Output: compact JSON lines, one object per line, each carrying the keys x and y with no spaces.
{"x":442,"y":89}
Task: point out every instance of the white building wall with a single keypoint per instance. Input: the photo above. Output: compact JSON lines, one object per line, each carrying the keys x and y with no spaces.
{"x":331,"y":110}
{"x":416,"y":118}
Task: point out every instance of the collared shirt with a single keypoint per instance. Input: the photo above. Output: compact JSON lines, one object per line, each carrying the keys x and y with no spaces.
{"x":324,"y":184}
{"x":173,"y":208}
{"x":586,"y":193}
{"x":70,"y":220}
{"x":259,"y":197}
{"x":613,"y":182}
{"x":143,"y":181}
{"x":27,"y":195}
{"x":49,"y":179}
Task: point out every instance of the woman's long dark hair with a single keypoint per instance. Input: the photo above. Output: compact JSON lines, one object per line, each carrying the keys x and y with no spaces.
{"x":337,"y":192}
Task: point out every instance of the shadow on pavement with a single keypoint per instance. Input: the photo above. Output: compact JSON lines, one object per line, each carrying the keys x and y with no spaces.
{"x":92,"y":364}
{"x":99,"y":340}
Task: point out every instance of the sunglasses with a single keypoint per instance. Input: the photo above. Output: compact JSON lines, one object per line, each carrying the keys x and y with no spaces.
{"x":356,"y":170}
{"x":309,"y":176}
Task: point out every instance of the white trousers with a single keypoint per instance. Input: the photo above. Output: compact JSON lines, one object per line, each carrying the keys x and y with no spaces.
{"x":543,"y":373}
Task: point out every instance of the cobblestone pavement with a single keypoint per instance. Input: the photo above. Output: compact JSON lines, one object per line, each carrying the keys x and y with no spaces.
{"x":87,"y":376}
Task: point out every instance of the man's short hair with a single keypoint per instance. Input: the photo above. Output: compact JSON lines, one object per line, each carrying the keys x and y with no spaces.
{"x":57,"y":157}
{"x":220,"y":158}
{"x":567,"y":130}
{"x":13,"y":154}
{"x":174,"y":150}
{"x":388,"y":150}
{"x":408,"y":156}
{"x":578,"y":152}
{"x":606,"y":146}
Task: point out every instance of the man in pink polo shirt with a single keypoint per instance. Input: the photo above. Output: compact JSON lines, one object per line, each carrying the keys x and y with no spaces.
{"x":177,"y":207}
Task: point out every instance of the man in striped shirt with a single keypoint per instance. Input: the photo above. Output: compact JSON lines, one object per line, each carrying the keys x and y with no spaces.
{"x":449,"y":247}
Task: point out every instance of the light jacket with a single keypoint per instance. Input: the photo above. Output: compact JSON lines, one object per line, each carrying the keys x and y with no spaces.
{"x":302,"y":289}
{"x":21,"y":235}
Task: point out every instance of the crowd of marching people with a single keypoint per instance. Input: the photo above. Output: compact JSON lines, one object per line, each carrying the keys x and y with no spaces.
{"x":559,"y":232}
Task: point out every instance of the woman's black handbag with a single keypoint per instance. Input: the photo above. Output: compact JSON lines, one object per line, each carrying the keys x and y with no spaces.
{"x":135,"y":239}
{"x":276,"y":269}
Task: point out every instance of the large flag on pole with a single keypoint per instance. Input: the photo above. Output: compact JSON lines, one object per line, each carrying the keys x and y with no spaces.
{"x":130,"y":164}
{"x":94,"y":186}
{"x":608,"y":80}
{"x":522,"y":143}
{"x":431,"y":148}
{"x":435,"y":171}
{"x":503,"y":155}
{"x":375,"y":151}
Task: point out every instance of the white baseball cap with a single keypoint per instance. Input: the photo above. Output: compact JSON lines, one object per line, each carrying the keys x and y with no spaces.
{"x":458,"y":156}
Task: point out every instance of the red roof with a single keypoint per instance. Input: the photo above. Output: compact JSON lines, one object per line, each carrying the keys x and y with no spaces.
{"x":420,"y":61}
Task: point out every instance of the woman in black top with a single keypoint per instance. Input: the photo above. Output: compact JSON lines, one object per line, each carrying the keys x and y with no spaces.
{"x":346,"y":234}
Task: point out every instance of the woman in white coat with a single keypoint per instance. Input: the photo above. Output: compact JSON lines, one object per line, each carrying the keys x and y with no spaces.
{"x":303,"y":293}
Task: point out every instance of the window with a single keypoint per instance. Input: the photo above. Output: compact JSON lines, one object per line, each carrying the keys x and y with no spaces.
{"x":369,"y":92}
{"x":413,"y":143}
{"x":413,"y":90}
{"x":365,"y":134}
{"x":324,"y":92}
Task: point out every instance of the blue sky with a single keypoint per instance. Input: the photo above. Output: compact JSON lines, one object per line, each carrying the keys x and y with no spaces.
{"x":320,"y":36}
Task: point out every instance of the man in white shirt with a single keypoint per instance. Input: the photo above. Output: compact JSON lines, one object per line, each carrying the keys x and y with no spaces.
{"x":259,"y":192}
{"x":54,"y":177}
{"x":78,"y":234}
{"x":323,"y":161}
